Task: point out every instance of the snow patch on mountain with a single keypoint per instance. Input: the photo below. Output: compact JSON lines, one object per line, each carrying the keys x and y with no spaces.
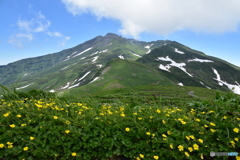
{"x":103,"y":51}
{"x":173,"y":63}
{"x":83,"y":57}
{"x":67,"y":85}
{"x":121,"y":57}
{"x":110,"y":44}
{"x":99,"y":65}
{"x":177,"y":51}
{"x":76,"y":85}
{"x":94,"y":53}
{"x":135,"y":54}
{"x":95,"y":58}
{"x":24,"y":86}
{"x":82,"y":52}
{"x":94,"y":79}
{"x":200,"y":60}
{"x":84,"y":76}
{"x":180,"y":84}
{"x":166,"y":68}
{"x":234,"y":88}
{"x":204,"y":85}
{"x":52,"y":90}
{"x":148,"y":47}
{"x":23,"y":75}
{"x":64,"y":67}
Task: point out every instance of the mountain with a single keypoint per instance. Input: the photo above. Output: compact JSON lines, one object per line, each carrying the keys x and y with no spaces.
{"x":112,"y":61}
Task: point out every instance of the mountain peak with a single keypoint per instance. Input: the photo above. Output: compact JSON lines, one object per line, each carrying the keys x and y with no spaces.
{"x":111,"y":35}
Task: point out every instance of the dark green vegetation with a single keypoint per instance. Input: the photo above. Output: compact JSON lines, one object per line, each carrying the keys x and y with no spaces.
{"x":141,"y":122}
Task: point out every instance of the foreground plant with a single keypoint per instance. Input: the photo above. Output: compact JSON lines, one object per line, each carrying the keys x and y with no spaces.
{"x":55,"y":129}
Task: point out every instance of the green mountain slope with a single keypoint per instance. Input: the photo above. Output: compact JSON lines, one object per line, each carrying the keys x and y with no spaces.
{"x":120,"y":73}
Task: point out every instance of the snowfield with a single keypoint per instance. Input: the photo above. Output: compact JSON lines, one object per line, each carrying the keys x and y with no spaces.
{"x":52,"y":90}
{"x":94,"y":53}
{"x":24,"y":86}
{"x":67,"y":85}
{"x":103,"y":51}
{"x":180,"y":84}
{"x":82,"y":52}
{"x":148,"y":47}
{"x":173,"y":63}
{"x":74,"y":85}
{"x":99,"y":65}
{"x":135,"y":54}
{"x":121,"y":57}
{"x":94,"y":79}
{"x":200,"y":60}
{"x":64,"y":67}
{"x":180,"y":52}
{"x":234,"y":88}
{"x":84,"y":76}
{"x":95,"y":58}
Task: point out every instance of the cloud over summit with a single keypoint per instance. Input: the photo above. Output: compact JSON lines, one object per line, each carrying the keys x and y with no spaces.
{"x":163,"y":17}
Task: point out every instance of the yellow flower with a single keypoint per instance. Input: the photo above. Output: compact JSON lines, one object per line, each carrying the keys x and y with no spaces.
{"x":195,"y":146}
{"x":168,"y":132}
{"x":151,"y":117}
{"x":236,"y":130}
{"x":25,"y":148}
{"x":212,"y":130}
{"x":187,"y":138}
{"x":148,"y":133}
{"x":10,"y":146}
{"x":186,"y":153}
{"x":1,"y":145}
{"x":141,"y":155}
{"x":200,"y":140}
{"x":164,"y":122}
{"x":212,"y":124}
{"x":180,"y":147}
{"x":236,"y":139}
{"x":158,"y":111}
{"x":55,"y":117}
{"x":123,"y":115}
{"x":12,"y":125}
{"x":74,"y":154}
{"x":127,"y":129}
{"x":18,"y":115}
{"x":153,"y":135}
{"x":23,"y":124}
{"x":171,"y":146}
{"x":164,"y":135}
{"x":6,"y":114}
{"x":201,"y":155}
{"x":183,"y":122}
{"x":225,"y":117}
{"x":67,"y":131}
{"x":155,"y":157}
{"x":9,"y":143}
{"x":190,"y":149}
{"x":134,"y":113}
{"x":140,"y":118}
{"x":191,"y":136}
{"x":198,"y":120}
{"x":205,"y":126}
{"x":32,"y":138}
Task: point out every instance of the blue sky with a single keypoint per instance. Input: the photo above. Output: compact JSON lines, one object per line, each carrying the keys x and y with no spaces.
{"x":31,"y":28}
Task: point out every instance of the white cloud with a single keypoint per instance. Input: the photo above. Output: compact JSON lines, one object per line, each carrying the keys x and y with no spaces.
{"x":63,"y":40}
{"x":27,"y":29}
{"x":20,"y":38}
{"x":163,"y":16}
